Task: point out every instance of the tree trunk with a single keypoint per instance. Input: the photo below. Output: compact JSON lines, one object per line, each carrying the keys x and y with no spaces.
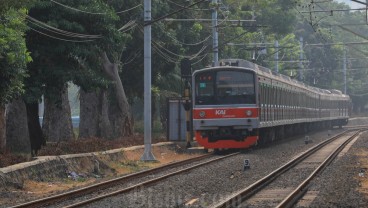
{"x":36,"y":136}
{"x":2,"y":129}
{"x":119,"y":111}
{"x":57,"y":122}
{"x":17,"y":135}
{"x":88,"y":122}
{"x":94,"y":120}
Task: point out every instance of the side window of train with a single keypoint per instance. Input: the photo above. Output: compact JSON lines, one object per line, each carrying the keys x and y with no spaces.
{"x":264,"y":94}
{"x":267,"y":93}
{"x":260,"y":93}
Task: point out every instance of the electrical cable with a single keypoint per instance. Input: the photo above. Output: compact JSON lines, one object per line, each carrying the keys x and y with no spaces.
{"x":50,"y":36}
{"x":94,"y":13}
{"x":129,"y":25}
{"x":59,"y":33}
{"x":158,"y":46}
{"x":136,"y":54}
{"x":66,"y":33}
{"x":186,"y":44}
{"x":305,"y":19}
{"x":204,"y":56}
{"x":188,"y":8}
{"x":190,"y":44}
{"x":127,"y":10}
{"x":172,"y":13}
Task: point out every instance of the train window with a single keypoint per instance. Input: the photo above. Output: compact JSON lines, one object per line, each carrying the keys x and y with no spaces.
{"x":225,"y":87}
{"x":204,"y":86}
{"x":235,"y":87}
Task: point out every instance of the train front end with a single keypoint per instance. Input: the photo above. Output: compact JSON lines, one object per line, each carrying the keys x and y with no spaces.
{"x":225,"y":107}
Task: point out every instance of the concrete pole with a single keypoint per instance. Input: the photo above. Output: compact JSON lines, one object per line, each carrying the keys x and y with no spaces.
{"x":277,"y":56}
{"x":301,"y":60}
{"x":344,"y":70}
{"x":215,"y":33}
{"x":147,"y":155}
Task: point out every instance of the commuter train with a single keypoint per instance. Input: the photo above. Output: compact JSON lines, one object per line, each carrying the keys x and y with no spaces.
{"x":240,"y":104}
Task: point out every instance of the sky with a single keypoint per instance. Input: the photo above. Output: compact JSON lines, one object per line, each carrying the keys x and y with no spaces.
{"x":352,"y":4}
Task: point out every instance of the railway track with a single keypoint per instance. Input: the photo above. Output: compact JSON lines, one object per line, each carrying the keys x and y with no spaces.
{"x":286,"y":185}
{"x":356,"y":127}
{"x":89,"y":194}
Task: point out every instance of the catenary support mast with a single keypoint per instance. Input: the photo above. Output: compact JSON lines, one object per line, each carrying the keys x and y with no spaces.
{"x":147,"y":155}
{"x":215,"y":33}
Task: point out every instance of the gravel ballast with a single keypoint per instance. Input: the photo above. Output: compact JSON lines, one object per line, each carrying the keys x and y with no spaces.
{"x":338,"y":186}
{"x":207,"y":185}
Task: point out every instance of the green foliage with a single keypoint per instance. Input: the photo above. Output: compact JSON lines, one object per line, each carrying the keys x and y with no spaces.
{"x":13,"y":54}
{"x":7,"y":5}
{"x":60,"y":58}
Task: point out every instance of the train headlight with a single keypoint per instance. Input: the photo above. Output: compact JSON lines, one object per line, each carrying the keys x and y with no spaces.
{"x":248,"y":113}
{"x":202,"y":114}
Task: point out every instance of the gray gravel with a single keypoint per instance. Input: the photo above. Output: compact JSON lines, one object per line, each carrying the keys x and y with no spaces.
{"x":207,"y":185}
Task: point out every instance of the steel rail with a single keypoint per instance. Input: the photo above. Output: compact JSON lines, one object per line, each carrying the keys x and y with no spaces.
{"x":106,"y":184}
{"x":294,"y":196}
{"x":237,"y":198}
{"x":356,"y":127}
{"x":155,"y":180}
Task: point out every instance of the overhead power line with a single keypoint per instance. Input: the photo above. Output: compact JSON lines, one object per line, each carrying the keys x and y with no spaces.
{"x":172,"y":13}
{"x":53,"y":37}
{"x":333,"y":10}
{"x":189,"y":8}
{"x":131,"y":24}
{"x":360,"y":2}
{"x":59,"y":31}
{"x":170,"y":56}
{"x":94,"y":13}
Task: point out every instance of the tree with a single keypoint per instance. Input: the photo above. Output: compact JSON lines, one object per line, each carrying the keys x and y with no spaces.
{"x":17,"y":133}
{"x":326,"y":61}
{"x":13,"y":59}
{"x":77,"y":57}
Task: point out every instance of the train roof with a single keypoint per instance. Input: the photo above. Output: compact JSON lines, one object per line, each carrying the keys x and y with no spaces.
{"x":260,"y":70}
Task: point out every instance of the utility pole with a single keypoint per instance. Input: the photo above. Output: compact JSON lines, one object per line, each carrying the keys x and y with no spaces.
{"x":147,"y":155}
{"x":344,"y":67}
{"x":277,"y":56}
{"x":215,"y":32}
{"x":300,"y":60}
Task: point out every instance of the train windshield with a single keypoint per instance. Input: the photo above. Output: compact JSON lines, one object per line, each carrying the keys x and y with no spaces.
{"x":225,"y":87}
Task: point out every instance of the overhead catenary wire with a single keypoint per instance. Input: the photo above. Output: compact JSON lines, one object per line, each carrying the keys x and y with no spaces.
{"x":187,"y":44}
{"x":179,"y":5}
{"x":172,"y":13}
{"x":178,"y":55}
{"x":94,"y":13}
{"x":305,"y":19}
{"x":190,"y":44}
{"x":159,"y":48}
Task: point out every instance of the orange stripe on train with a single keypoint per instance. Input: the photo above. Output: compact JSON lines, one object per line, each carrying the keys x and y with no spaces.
{"x":212,"y":113}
